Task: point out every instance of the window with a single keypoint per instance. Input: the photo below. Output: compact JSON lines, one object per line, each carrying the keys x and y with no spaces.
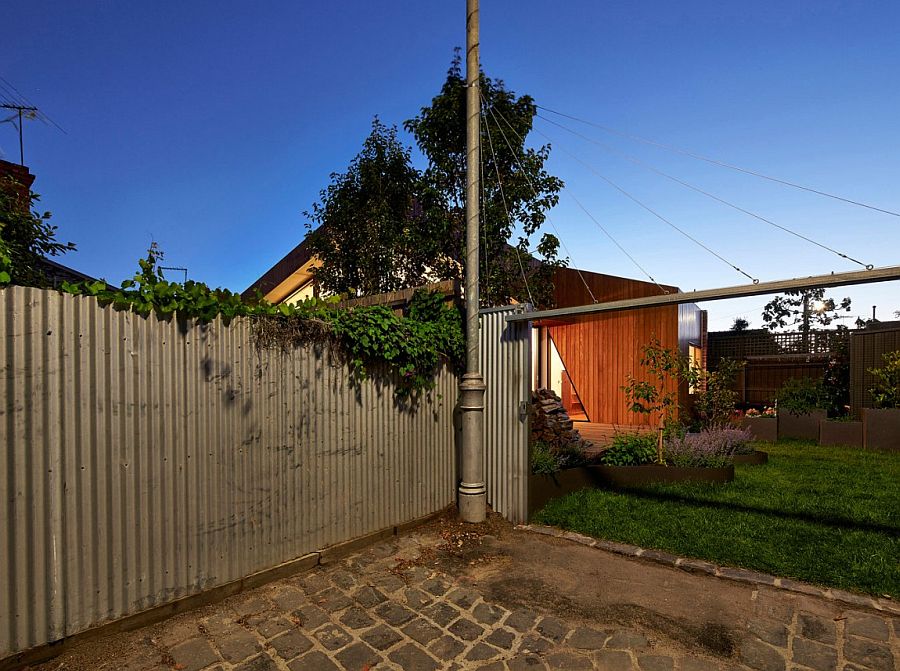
{"x":695,"y":357}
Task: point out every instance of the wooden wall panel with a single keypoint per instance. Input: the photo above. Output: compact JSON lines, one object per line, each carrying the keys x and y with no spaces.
{"x":599,"y":351}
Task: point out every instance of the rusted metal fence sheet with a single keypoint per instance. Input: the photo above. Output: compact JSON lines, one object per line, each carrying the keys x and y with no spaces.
{"x":144,"y":460}
{"x":506,"y":365}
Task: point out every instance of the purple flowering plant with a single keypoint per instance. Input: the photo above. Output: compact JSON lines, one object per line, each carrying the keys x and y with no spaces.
{"x":712,"y":447}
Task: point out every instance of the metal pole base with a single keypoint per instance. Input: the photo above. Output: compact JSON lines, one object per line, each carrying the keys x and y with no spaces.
{"x":472,"y":493}
{"x":472,"y":502}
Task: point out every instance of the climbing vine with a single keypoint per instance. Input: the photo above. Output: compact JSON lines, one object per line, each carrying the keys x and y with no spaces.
{"x":374,"y":339}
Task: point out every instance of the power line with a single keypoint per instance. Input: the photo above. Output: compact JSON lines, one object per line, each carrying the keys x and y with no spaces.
{"x":505,"y":207}
{"x":534,"y":190}
{"x":699,"y":157}
{"x":654,"y":212}
{"x":616,"y":242}
{"x":22,"y":99}
{"x":684,"y":183}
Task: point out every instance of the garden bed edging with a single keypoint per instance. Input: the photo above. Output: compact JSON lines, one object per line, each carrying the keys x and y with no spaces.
{"x":848,"y":434}
{"x":804,"y":427}
{"x":755,"y":458}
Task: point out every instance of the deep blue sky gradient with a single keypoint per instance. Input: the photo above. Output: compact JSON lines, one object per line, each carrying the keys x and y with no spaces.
{"x":211,"y":126}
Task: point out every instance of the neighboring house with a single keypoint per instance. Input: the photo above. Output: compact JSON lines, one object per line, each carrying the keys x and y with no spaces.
{"x":585,"y":360}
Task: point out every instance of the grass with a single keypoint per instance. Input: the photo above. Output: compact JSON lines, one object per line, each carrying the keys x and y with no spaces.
{"x":825,"y":515}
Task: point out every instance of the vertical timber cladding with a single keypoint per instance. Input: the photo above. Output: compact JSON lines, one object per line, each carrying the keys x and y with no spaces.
{"x":600,"y":350}
{"x":506,"y":366}
{"x":143,"y":460}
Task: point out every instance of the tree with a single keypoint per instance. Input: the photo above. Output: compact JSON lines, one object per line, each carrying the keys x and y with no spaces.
{"x":740,"y":324}
{"x":805,"y":309}
{"x":514,"y":182}
{"x":383,"y":225}
{"x":26,"y":237}
{"x":372,"y":234}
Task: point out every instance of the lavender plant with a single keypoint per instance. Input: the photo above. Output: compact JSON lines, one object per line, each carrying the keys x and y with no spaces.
{"x":712,"y":448}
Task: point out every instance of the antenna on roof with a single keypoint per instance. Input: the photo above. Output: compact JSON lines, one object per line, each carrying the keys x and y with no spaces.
{"x":23,"y":112}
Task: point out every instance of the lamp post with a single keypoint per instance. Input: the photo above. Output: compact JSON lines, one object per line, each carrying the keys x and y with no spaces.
{"x":472,"y":492}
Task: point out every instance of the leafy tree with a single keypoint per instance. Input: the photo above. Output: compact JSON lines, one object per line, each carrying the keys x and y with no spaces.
{"x":804,"y":309}
{"x":383,"y":225}
{"x":740,"y":324}
{"x":528,"y":190}
{"x":372,"y":233}
{"x":26,"y":237}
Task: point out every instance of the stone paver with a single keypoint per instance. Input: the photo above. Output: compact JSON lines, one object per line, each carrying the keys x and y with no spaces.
{"x":362,"y":613}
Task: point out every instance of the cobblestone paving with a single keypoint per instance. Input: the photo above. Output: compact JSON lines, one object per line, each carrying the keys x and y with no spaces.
{"x":363,"y":613}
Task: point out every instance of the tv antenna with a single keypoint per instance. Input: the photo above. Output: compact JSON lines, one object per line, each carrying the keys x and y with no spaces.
{"x":22,"y":112}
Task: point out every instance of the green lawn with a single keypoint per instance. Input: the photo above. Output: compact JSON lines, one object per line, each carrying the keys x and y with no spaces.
{"x":825,"y":515}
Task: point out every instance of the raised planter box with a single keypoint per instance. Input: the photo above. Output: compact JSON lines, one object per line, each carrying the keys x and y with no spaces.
{"x":805,"y":427}
{"x":543,"y":488}
{"x":762,"y":428}
{"x":849,"y":434}
{"x":757,"y":458}
{"x":881,"y":429}
{"x":623,"y":477}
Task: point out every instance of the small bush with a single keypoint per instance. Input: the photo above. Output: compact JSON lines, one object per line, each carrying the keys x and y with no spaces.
{"x":801,"y":395}
{"x":543,"y":461}
{"x":886,"y":392}
{"x":712,"y":448}
{"x":630,"y":449}
{"x":548,"y":459}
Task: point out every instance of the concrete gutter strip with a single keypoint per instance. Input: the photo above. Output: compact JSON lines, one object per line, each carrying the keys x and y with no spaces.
{"x":726,"y":572}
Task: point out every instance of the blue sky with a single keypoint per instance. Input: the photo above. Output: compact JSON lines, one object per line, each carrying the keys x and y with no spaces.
{"x":211,"y":127}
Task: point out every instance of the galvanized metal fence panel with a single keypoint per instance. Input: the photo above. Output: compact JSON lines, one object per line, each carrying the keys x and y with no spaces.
{"x":506,"y":366}
{"x":143,"y":460}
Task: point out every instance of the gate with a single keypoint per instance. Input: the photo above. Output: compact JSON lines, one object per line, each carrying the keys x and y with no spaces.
{"x":506,"y":366}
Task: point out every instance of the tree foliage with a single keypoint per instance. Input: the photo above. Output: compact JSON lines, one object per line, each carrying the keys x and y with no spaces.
{"x":514,"y":181}
{"x":740,"y":324}
{"x":787,"y":310}
{"x":371,"y":232}
{"x":383,"y":225}
{"x":26,"y":237}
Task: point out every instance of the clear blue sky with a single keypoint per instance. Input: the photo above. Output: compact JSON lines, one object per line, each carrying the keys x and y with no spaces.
{"x":210,"y":127}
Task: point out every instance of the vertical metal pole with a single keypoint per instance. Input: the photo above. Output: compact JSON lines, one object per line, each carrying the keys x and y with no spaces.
{"x":472,"y":497}
{"x":21,"y":141}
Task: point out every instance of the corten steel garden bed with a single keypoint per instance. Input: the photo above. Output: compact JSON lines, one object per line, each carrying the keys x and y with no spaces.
{"x":756,"y":458}
{"x":801,"y":427}
{"x":544,"y":488}
{"x":881,"y":429}
{"x":848,"y":434}
{"x":762,"y":428}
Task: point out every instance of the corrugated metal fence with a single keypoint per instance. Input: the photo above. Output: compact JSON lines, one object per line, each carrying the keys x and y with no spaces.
{"x":144,"y":460}
{"x":506,"y":365}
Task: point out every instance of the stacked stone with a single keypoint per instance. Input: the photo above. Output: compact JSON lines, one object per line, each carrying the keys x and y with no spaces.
{"x":550,"y":422}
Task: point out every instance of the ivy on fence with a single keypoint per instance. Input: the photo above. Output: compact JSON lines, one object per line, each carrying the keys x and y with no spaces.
{"x":410,"y":347}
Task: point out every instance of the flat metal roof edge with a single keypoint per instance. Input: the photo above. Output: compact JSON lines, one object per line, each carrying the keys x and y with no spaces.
{"x":872,"y":276}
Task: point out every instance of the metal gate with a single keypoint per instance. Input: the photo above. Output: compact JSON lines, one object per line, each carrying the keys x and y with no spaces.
{"x":506,"y":366}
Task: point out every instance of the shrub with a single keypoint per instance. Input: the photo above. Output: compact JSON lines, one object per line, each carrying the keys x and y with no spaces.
{"x":886,"y":392}
{"x":547,"y":459}
{"x":630,"y":449}
{"x":801,"y":395}
{"x":542,"y":460}
{"x":710,"y":448}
